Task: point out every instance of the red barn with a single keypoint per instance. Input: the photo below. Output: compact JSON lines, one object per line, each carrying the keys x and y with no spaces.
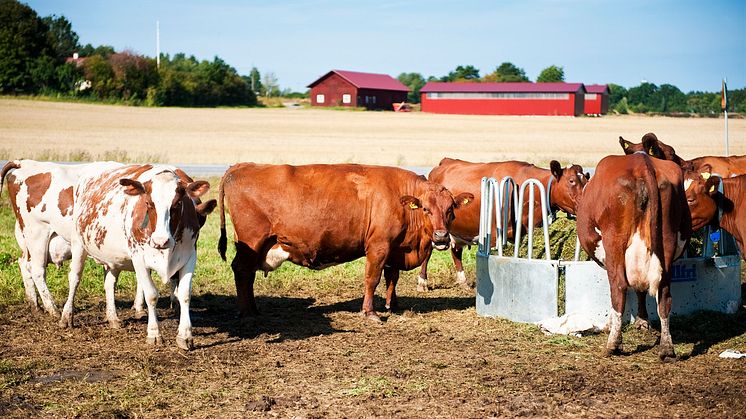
{"x":351,"y":88}
{"x":503,"y":98}
{"x":596,"y":99}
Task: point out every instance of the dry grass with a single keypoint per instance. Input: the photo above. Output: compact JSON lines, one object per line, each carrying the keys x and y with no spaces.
{"x":49,"y":130}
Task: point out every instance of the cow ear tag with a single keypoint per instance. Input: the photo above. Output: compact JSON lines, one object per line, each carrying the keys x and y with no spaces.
{"x":712,"y":188}
{"x":705,"y":175}
{"x":650,"y":151}
{"x":626,"y":146}
{"x":412,"y":205}
{"x":465,"y":201}
{"x":715,"y":236}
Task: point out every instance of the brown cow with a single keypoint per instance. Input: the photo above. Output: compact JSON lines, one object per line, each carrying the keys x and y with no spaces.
{"x":632,"y":220}
{"x":321,"y":215}
{"x":709,"y":206}
{"x":463,"y":176}
{"x":723,"y":166}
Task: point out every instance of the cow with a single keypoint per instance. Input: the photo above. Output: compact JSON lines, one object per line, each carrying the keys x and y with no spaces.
{"x":137,"y":218}
{"x":321,"y":215}
{"x":633,"y":221}
{"x":723,"y":166}
{"x":463,"y":176}
{"x":41,"y":196}
{"x":709,"y":206}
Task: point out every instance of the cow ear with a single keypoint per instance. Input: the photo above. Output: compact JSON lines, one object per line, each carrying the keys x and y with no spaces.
{"x":625,"y":145}
{"x":587,"y":175}
{"x":410,"y":201}
{"x":198,"y":188}
{"x":463,"y":199}
{"x":132,"y":187}
{"x":705,"y":171}
{"x":206,"y":207}
{"x":651,"y":146}
{"x":556,"y":169}
{"x":712,"y":184}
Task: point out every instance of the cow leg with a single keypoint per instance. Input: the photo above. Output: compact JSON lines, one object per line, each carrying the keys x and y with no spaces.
{"x":618,"y":288}
{"x":374,"y":261}
{"x":457,"y":253}
{"x":110,"y":283}
{"x":244,"y":267}
{"x":664,"y":310}
{"x":422,"y":278}
{"x":139,"y":304}
{"x":38,"y":249}
{"x":173,"y":284}
{"x":184,"y":339}
{"x":25,"y":268}
{"x":392,"y":277}
{"x":151,"y":300}
{"x":642,"y":311}
{"x":73,"y":278}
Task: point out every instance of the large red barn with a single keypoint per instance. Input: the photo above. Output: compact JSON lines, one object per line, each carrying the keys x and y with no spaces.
{"x":503,"y":98}
{"x":352,"y":88}
{"x":596,"y":99}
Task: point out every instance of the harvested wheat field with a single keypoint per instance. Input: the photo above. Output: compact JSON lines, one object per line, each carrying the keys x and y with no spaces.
{"x":309,"y":353}
{"x":64,"y":131}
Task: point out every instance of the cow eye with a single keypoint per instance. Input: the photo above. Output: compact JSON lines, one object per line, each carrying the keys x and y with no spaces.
{"x":427,"y":210}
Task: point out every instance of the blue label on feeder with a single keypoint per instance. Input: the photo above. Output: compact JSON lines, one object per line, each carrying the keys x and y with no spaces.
{"x":715,"y":236}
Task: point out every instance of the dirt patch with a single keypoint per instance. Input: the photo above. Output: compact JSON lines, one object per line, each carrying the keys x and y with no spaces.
{"x":311,"y":357}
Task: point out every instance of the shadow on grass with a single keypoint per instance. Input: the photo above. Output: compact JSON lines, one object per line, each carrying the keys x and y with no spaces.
{"x":707,"y":328}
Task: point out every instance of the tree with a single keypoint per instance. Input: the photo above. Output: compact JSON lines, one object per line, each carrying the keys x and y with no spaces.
{"x":671,"y":99}
{"x":271,"y":87}
{"x":254,"y":79}
{"x":23,"y":41}
{"x":462,"y":73}
{"x":414,"y":81}
{"x":61,"y":37}
{"x":507,"y":72}
{"x":551,"y":74}
{"x":102,"y":50}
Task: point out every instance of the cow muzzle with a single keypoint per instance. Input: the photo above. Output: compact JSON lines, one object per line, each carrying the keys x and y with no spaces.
{"x":161,"y":242}
{"x":441,"y":239}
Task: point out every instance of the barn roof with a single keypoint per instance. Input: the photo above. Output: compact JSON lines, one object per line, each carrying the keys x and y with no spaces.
{"x":366,"y":80}
{"x":597,"y":88}
{"x":502,"y":87}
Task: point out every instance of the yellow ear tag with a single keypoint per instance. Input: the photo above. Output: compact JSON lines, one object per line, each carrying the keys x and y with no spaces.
{"x":465,"y":201}
{"x":413,"y":205}
{"x":650,"y":151}
{"x":712,"y":188}
{"x":626,"y":146}
{"x":705,"y":175}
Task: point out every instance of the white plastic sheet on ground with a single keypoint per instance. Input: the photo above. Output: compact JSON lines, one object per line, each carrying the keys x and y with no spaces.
{"x":574,"y":324}
{"x":732,"y":353}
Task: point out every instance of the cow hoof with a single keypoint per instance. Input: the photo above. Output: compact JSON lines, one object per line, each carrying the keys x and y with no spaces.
{"x":608,"y":352}
{"x":185,"y":344}
{"x":140,"y":314}
{"x":641,"y":324}
{"x":66,"y":321}
{"x":53,"y":312}
{"x":422,"y":288}
{"x":115,"y":324}
{"x":158,"y":340}
{"x":373,"y":316}
{"x":667,"y":355}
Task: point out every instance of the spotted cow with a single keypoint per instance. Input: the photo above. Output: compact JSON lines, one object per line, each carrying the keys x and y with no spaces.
{"x":137,"y":218}
{"x":633,"y":221}
{"x":463,"y":176}
{"x":321,"y":215}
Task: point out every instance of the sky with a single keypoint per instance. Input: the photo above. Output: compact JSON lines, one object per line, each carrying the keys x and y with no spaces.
{"x":690,"y":44}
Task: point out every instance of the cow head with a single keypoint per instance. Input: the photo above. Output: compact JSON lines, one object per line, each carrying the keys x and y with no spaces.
{"x":652,"y":146}
{"x":567,"y":187}
{"x":701,"y":188}
{"x":438,"y":206}
{"x":163,"y":204}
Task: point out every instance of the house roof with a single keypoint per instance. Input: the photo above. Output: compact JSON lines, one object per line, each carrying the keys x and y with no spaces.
{"x":597,"y":88}
{"x":502,"y":87}
{"x":366,"y":80}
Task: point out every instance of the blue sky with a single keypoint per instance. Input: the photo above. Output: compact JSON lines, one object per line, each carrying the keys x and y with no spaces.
{"x":690,"y":44}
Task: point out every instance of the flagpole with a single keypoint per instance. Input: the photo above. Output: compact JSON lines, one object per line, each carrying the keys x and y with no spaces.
{"x":725,"y":112}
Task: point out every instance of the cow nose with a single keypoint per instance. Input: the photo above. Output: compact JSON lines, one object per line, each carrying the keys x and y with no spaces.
{"x":161,"y":242}
{"x":440,"y":235}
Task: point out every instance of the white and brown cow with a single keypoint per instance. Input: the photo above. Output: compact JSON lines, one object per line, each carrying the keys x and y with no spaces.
{"x":633,"y":221}
{"x":41,"y":195}
{"x":137,"y":218}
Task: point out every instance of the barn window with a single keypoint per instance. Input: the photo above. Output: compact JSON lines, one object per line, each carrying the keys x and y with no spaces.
{"x":320,"y":98}
{"x":590,"y":96}
{"x":346,"y":98}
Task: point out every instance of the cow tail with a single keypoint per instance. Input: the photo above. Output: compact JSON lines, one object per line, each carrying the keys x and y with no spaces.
{"x":10,"y":165}
{"x":654,"y":211}
{"x":223,"y":241}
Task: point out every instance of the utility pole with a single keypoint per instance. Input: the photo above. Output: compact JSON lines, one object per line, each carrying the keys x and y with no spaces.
{"x":724,"y":105}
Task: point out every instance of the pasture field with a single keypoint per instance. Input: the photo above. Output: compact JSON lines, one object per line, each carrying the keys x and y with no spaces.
{"x":310,"y":354}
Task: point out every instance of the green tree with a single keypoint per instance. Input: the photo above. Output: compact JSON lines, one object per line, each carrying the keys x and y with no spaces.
{"x":99,"y":72}
{"x":414,"y":81}
{"x":61,"y":37}
{"x":644,"y":98}
{"x":671,"y":99}
{"x":102,"y":50}
{"x":254,"y":80}
{"x":551,"y":74}
{"x":23,"y":41}
{"x":507,"y":72}
{"x":462,"y":73}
